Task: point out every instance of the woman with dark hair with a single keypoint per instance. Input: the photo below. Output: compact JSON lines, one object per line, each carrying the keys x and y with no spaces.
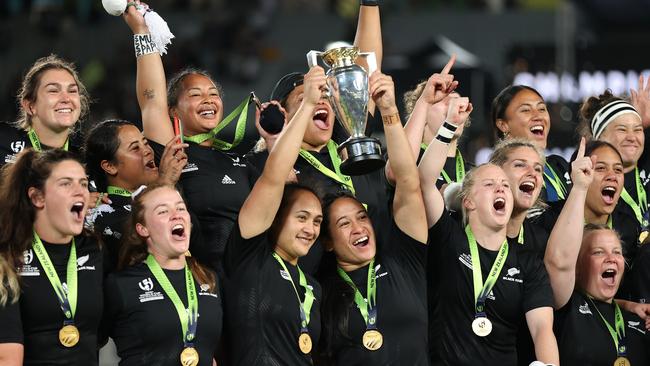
{"x":162,"y":292}
{"x":119,"y":160}
{"x":273,"y":307}
{"x":520,"y":111}
{"x":50,"y":274}
{"x":52,"y":100}
{"x":484,"y":286}
{"x":374,"y":295}
{"x":195,"y":99}
{"x":614,"y":120}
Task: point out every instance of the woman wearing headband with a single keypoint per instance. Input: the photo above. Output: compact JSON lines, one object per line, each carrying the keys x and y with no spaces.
{"x":273,"y":307}
{"x":614,"y":120}
{"x":50,"y":274}
{"x":480,"y":314}
{"x":163,"y":307}
{"x":520,"y":111}
{"x":195,"y":99}
{"x":52,"y":100}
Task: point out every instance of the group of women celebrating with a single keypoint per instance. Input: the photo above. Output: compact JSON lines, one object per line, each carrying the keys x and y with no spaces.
{"x":194,"y":255}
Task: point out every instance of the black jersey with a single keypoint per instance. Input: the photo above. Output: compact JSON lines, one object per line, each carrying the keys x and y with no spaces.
{"x":559,"y":168}
{"x":215,"y":185}
{"x":35,"y":320}
{"x":522,"y":286}
{"x":401,"y":307}
{"x":109,"y":222}
{"x":583,"y":338}
{"x":370,"y":189}
{"x":13,"y":140}
{"x":535,"y":238}
{"x":639,"y":276}
{"x":144,"y":323}
{"x":263,"y":316}
{"x":449,"y":169}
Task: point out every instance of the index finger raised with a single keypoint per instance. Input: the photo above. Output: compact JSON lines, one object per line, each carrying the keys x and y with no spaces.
{"x":449,"y":65}
{"x":581,"y":148}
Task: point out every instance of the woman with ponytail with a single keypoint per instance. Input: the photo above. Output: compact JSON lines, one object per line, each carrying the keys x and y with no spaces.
{"x":50,"y":275}
{"x":154,"y":304}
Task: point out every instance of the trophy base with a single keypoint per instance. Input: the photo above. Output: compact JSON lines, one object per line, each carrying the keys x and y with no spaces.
{"x":361,"y":156}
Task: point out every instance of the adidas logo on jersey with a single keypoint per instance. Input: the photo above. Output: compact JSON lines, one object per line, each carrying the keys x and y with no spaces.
{"x":227,"y":180}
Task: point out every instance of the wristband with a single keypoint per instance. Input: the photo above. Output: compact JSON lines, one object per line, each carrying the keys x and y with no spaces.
{"x":143,"y":45}
{"x":369,"y":2}
{"x":446,"y":132}
{"x":389,"y":120}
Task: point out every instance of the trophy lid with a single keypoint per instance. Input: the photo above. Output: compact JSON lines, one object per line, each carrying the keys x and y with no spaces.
{"x":341,"y":56}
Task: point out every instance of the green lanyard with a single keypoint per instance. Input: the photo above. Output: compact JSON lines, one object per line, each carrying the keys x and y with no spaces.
{"x":482,"y":290}
{"x":305,"y":307}
{"x":619,"y":335}
{"x":520,"y":239}
{"x":460,"y":167}
{"x":555,"y":182}
{"x":188,"y":318}
{"x":367,"y":307}
{"x":241,"y":112}
{"x":67,"y":299}
{"x":639,"y":208}
{"x":345,"y":180}
{"x":118,"y":191}
{"x":36,"y":142}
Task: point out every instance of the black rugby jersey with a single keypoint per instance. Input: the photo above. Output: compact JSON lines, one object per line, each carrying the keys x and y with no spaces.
{"x":35,"y":320}
{"x":144,"y":323}
{"x":401,"y":307}
{"x":13,"y":140}
{"x":583,"y":338}
{"x":263,"y":316}
{"x":522,"y":286}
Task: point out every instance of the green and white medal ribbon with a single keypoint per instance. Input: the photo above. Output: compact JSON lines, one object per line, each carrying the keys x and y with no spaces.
{"x":241,"y":112}
{"x":339,"y":177}
{"x":36,"y":142}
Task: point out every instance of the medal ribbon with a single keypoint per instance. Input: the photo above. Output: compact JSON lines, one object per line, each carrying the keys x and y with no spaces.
{"x":367,"y":307}
{"x":481,"y":290}
{"x":641,"y":207}
{"x":520,"y":239}
{"x":241,"y":112}
{"x":118,"y":191}
{"x":460,"y":167}
{"x":36,"y":142}
{"x":67,"y":299}
{"x":554,"y":180}
{"x":332,"y":147}
{"x":305,"y":307}
{"x":187,"y":317}
{"x":619,"y":335}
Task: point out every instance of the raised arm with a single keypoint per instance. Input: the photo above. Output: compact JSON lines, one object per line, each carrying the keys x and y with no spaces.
{"x":540,"y":324}
{"x":640,"y":99}
{"x":435,"y":156}
{"x":261,"y":206}
{"x":566,"y":237}
{"x":438,"y":87}
{"x":408,"y":207}
{"x":368,"y":38}
{"x":151,"y":86}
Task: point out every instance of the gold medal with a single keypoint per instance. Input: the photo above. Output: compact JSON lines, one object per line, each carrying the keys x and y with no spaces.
{"x":372,"y":339}
{"x":622,"y":361}
{"x":304,"y":343}
{"x":643,"y":236}
{"x":189,"y":357}
{"x":482,"y":326}
{"x":69,"y":336}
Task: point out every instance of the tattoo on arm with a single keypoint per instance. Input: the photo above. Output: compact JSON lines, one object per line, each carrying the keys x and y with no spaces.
{"x":148,"y":93}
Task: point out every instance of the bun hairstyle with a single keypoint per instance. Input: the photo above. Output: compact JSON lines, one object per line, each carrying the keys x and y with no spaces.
{"x":133,"y":247}
{"x":589,"y":108}
{"x":101,"y":144}
{"x":17,"y":213}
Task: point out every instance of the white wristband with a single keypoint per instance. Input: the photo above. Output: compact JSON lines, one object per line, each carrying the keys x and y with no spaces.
{"x":143,"y":45}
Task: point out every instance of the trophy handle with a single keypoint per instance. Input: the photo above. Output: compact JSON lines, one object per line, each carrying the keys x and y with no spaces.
{"x":371,"y":60}
{"x":312,"y":58}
